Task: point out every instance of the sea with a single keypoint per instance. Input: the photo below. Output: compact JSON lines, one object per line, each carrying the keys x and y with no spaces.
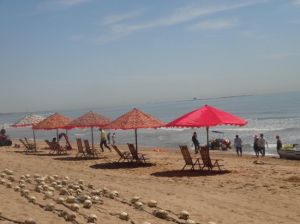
{"x":270,"y":114}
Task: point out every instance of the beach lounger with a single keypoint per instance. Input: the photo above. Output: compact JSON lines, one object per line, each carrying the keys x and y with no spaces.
{"x":207,"y":162}
{"x":138,"y":157}
{"x":124,"y":156}
{"x":28,"y":147}
{"x":89,"y":151}
{"x":55,"y":148}
{"x":81,"y":151}
{"x":188,"y":159}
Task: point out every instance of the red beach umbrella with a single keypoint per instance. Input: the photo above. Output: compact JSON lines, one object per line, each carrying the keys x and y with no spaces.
{"x":89,"y":120}
{"x":54,"y":121}
{"x":207,"y":116}
{"x":135,"y":119}
{"x":28,"y":121}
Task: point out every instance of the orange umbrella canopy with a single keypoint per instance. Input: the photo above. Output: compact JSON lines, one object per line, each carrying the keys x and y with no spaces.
{"x":90,"y":119}
{"x":136,"y":119}
{"x":54,"y":121}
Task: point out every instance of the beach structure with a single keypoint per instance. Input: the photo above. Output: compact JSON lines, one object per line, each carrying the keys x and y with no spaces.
{"x":89,"y":120}
{"x":135,"y":119}
{"x":206,"y":116}
{"x":54,"y":121}
{"x":28,"y":121}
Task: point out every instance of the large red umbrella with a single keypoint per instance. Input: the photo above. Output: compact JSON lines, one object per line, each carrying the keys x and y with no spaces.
{"x":207,"y":116}
{"x":89,"y":120}
{"x":54,"y":121}
{"x":28,"y":121}
{"x":135,"y":119}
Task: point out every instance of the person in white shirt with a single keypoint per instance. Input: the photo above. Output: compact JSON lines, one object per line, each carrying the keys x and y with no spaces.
{"x":238,"y":145}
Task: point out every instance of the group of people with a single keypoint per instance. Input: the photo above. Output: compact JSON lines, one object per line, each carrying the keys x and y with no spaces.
{"x":106,"y":139}
{"x":259,"y":144}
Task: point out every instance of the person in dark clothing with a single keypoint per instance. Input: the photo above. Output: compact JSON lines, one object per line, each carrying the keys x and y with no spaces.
{"x":279,"y":143}
{"x":196,"y":142}
{"x":255,"y":146}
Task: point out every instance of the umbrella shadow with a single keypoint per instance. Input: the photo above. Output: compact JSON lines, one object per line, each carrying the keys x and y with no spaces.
{"x":121,"y":165}
{"x":189,"y":173}
{"x":73,"y":158}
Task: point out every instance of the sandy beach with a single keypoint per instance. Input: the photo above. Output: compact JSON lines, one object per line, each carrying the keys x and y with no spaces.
{"x":248,"y":191}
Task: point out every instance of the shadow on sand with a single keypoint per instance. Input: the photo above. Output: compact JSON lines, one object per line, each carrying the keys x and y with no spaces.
{"x":189,"y":173}
{"x":73,"y":158}
{"x":124,"y":165}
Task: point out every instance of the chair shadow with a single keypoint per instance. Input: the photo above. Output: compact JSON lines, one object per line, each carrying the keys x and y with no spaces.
{"x":122,"y":165}
{"x":73,"y":158}
{"x":46,"y":154}
{"x":189,"y":173}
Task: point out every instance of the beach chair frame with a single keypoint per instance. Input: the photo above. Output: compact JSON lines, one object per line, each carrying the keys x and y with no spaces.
{"x":81,"y":152}
{"x":28,"y":147}
{"x":207,"y":162}
{"x":138,"y":157}
{"x":188,"y":158}
{"x":89,"y":151}
{"x":124,"y":156}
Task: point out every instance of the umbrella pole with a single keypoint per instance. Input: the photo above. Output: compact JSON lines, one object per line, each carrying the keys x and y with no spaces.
{"x":92,"y":130}
{"x":34,"y":140}
{"x":57,"y":134}
{"x":136,"y":146}
{"x":207,"y":137}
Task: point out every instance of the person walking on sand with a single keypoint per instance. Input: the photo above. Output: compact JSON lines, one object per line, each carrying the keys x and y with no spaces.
{"x":262,"y":143}
{"x":238,"y":145}
{"x":103,"y":140}
{"x":278,"y":143}
{"x":108,"y":138}
{"x":255,"y":146}
{"x":196,"y":142}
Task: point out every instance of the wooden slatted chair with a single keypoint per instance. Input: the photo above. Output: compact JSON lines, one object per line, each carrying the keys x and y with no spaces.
{"x":89,"y":151}
{"x":207,"y":162}
{"x":124,"y":156}
{"x":28,"y":148}
{"x":188,"y":159}
{"x":81,"y":151}
{"x":138,"y":157}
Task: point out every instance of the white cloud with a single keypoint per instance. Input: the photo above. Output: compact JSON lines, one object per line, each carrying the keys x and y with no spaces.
{"x":113,"y":19}
{"x":214,"y":24}
{"x":59,"y":4}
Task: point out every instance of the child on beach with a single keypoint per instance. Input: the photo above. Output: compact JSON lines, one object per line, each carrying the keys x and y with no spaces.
{"x":195,"y":142}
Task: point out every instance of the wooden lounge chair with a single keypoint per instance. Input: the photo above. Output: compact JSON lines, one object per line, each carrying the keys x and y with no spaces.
{"x":188,"y":159}
{"x":207,"y":162}
{"x":124,"y":156}
{"x":138,"y":157}
{"x":55,"y":148}
{"x":89,"y":151}
{"x":31,"y":145}
{"x":28,"y":148}
{"x":81,"y":151}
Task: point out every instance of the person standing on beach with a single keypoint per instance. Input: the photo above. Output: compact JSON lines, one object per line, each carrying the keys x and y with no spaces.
{"x":103,"y":140}
{"x":238,"y":145}
{"x":278,"y":143}
{"x":261,"y":142}
{"x":113,"y":138}
{"x":255,"y":146}
{"x":196,"y":142}
{"x":108,"y":138}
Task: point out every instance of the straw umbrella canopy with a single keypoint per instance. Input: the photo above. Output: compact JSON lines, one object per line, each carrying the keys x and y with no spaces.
{"x":136,"y":119}
{"x":28,"y":121}
{"x":206,"y":116}
{"x":54,"y":121}
{"x":89,"y":120}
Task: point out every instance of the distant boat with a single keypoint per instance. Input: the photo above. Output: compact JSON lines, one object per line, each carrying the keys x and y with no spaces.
{"x":290,"y":154}
{"x":195,"y":98}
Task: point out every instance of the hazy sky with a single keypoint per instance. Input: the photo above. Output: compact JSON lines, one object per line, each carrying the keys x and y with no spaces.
{"x":62,"y":54}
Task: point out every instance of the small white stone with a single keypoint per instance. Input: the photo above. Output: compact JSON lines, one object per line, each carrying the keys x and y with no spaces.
{"x":152,"y":203}
{"x":184,"y":215}
{"x":92,"y":218}
{"x":49,"y":207}
{"x":30,"y":221}
{"x":87,"y":204}
{"x":70,"y":216}
{"x":160,"y":214}
{"x":189,"y":221}
{"x":75,"y":207}
{"x":60,"y":200}
{"x":135,"y":199}
{"x":124,"y":216}
{"x":138,"y":205}
{"x":32,"y":199}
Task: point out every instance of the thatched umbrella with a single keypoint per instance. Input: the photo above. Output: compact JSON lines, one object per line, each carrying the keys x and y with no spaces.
{"x":89,"y":120}
{"x":136,"y":119}
{"x":28,"y":121}
{"x":54,"y":121}
{"x":206,"y":116}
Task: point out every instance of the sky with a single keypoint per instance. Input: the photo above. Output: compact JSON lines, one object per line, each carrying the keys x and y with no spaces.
{"x":69,"y":54}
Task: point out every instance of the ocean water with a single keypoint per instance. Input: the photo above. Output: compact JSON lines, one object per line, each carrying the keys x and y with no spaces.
{"x":271,"y":114}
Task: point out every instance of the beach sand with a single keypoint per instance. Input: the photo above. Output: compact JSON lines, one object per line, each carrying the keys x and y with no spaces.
{"x":248,"y":191}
